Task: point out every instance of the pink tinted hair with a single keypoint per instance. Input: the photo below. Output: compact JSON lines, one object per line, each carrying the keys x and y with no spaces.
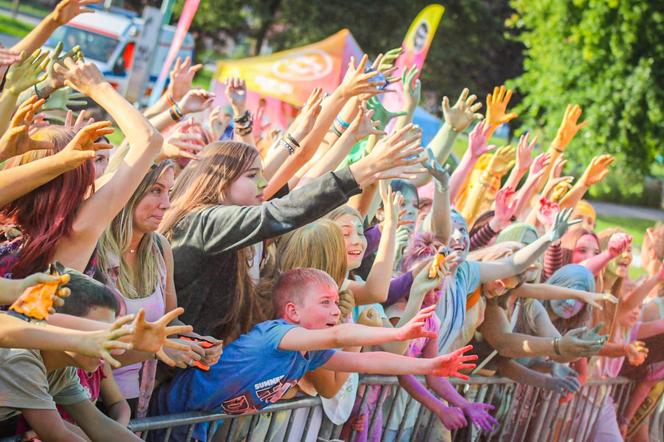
{"x":47,"y":214}
{"x":422,"y":245}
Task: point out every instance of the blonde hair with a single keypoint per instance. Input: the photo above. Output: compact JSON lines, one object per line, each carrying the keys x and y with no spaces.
{"x":609,"y":313}
{"x":115,"y":241}
{"x":318,"y":245}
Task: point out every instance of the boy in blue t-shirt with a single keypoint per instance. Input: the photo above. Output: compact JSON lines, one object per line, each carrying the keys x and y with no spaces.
{"x":258,"y":368}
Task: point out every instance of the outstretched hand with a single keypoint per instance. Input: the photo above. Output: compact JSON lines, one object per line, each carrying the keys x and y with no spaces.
{"x":496,"y":107}
{"x":414,"y":328}
{"x":597,"y":170}
{"x":568,"y":127}
{"x":16,"y":140}
{"x":151,"y":336}
{"x":505,"y":209}
{"x":451,"y":364}
{"x":478,"y":413}
{"x":101,"y":343}
{"x":477,"y":140}
{"x":463,"y":113}
{"x":440,"y":173}
{"x":561,"y":224}
{"x":181,"y":77}
{"x":66,"y":10}
{"x":381,"y":114}
{"x":27,"y":72}
{"x":357,"y":82}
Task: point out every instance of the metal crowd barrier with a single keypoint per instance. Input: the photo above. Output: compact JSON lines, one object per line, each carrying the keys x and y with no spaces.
{"x":525,"y":413}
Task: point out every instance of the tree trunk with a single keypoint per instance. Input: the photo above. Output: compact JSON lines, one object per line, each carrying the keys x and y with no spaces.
{"x":261,"y":33}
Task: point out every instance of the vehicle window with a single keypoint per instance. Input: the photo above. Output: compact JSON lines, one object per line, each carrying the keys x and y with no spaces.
{"x":95,"y":46}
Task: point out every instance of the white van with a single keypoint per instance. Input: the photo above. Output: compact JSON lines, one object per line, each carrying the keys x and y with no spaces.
{"x":108,"y":39}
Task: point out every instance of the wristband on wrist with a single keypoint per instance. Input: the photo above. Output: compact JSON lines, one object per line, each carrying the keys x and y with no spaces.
{"x":342,"y":123}
{"x":292,"y":140}
{"x":175,"y":112}
{"x":37,"y":92}
{"x":169,"y":98}
{"x":243,"y":119}
{"x":287,"y":145}
{"x":556,"y":346}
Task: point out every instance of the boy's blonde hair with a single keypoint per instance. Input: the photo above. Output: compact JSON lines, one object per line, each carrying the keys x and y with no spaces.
{"x":291,"y":285}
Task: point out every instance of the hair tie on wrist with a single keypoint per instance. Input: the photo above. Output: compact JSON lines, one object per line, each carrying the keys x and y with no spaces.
{"x":342,"y":123}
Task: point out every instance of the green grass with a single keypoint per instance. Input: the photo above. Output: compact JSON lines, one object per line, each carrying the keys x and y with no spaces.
{"x":13,"y":27}
{"x":26,"y":8}
{"x":203,"y":79}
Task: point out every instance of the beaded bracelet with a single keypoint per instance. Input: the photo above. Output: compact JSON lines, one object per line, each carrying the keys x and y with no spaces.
{"x":287,"y":145}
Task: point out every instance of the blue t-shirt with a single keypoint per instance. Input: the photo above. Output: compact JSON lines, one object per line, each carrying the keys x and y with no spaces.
{"x":251,"y":374}
{"x":452,"y":305}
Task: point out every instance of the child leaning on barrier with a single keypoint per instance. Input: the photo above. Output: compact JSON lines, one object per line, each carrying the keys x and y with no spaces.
{"x":33,"y":381}
{"x":261,"y":366}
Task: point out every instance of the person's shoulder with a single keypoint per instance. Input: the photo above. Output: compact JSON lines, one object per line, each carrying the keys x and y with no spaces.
{"x":20,"y":355}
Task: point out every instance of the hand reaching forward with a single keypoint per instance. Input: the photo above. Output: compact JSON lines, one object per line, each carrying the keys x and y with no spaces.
{"x":618,"y":243}
{"x":363,"y":124}
{"x":16,"y":140}
{"x":196,"y":100}
{"x":595,"y":299}
{"x":477,"y":140}
{"x":561,"y":224}
{"x":83,"y":146}
{"x":451,"y":364}
{"x":568,"y":127}
{"x":101,"y":343}
{"x":438,"y":172}
{"x":414,"y":328}
{"x":181,"y":77}
{"x":380,"y":114}
{"x":8,"y":57}
{"x":151,"y":336}
{"x":412,"y":87}
{"x":506,"y":205}
{"x":478,"y":413}
{"x":496,"y":107}
{"x":597,"y":170}
{"x":502,"y":161}
{"x":27,"y":72}
{"x":388,"y":59}
{"x":392,"y":202}
{"x":305,"y":120}
{"x":357,"y":82}
{"x":463,"y":113}
{"x":524,"y":152}
{"x":80,"y":75}
{"x":451,"y":417}
{"x":581,"y":343}
{"x":538,"y":168}
{"x":66,"y":10}
{"x":370,"y":318}
{"x":181,"y":145}
{"x":637,"y":352}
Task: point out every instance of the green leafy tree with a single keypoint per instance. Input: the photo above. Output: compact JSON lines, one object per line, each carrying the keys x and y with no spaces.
{"x":608,"y":57}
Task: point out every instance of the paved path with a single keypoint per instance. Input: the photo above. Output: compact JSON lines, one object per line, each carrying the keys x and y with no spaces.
{"x":628,"y":211}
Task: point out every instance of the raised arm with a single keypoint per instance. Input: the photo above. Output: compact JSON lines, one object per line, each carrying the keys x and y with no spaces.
{"x":524,"y":159}
{"x":518,"y":262}
{"x":144,"y":145}
{"x":355,"y":82}
{"x":457,"y":119}
{"x":440,"y":222}
{"x":595,"y":173}
{"x":375,"y":288}
{"x":634,"y":298}
{"x":477,"y":146}
{"x":529,"y":188}
{"x":618,"y":243}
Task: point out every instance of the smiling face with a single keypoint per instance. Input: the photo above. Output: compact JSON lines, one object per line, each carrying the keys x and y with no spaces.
{"x":247,"y":189}
{"x":586,"y":247}
{"x":354,"y":239}
{"x":319,"y":307}
{"x":619,"y":266}
{"x":459,"y":240}
{"x":151,"y":208}
{"x":566,"y":308}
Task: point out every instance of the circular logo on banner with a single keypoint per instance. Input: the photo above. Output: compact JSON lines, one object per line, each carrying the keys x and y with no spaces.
{"x":308,"y":65}
{"x":420,"y":37}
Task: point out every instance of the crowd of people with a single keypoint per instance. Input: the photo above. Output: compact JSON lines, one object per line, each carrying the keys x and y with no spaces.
{"x":212,"y":262}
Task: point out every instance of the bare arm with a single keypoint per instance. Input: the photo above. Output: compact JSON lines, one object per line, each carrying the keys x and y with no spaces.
{"x":636,"y":296}
{"x":49,"y":426}
{"x":96,"y":425}
{"x":115,"y":403}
